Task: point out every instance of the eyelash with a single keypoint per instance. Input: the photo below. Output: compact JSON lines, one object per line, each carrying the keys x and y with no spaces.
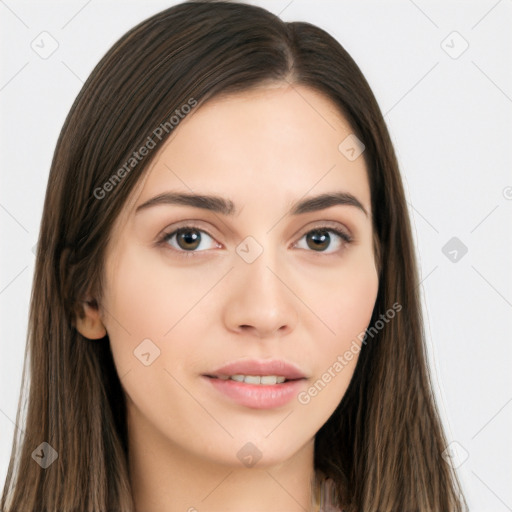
{"x":163,"y":240}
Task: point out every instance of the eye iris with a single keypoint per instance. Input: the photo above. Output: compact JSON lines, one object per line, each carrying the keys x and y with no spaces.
{"x":320,"y":238}
{"x":189,"y":236}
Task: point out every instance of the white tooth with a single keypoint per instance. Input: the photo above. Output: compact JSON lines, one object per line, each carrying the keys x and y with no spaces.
{"x":252,"y":379}
{"x":265,"y":380}
{"x":223,"y":377}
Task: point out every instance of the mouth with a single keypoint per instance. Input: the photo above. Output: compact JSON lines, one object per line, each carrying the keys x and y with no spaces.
{"x":258,"y":371}
{"x":258,"y":380}
{"x":255,"y":391}
{"x":256,"y":383}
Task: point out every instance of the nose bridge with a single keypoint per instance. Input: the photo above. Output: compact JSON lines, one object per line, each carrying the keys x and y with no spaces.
{"x":259,"y":276}
{"x":263,"y":266}
{"x":261,"y":300}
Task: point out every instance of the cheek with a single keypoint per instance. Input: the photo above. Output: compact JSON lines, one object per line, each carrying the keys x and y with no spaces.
{"x":345,"y":306}
{"x":353,"y":303}
{"x":142,"y":302}
{"x":344,"y":298}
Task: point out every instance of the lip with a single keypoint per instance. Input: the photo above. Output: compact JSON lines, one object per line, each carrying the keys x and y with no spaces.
{"x":258,"y":367}
{"x":258,"y":396}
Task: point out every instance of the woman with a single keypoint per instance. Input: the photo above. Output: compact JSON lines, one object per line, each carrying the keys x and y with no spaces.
{"x":225,"y":312}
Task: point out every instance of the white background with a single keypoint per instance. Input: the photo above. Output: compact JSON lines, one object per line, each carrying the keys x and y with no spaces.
{"x":451,"y":123}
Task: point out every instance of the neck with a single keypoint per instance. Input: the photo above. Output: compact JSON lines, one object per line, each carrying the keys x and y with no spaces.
{"x":165,"y":477}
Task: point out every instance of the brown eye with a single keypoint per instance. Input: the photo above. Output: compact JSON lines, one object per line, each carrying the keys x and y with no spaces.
{"x":321,"y":239}
{"x":187,"y":240}
{"x":318,"y":240}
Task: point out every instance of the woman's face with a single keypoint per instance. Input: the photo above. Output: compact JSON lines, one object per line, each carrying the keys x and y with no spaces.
{"x":254,"y":284}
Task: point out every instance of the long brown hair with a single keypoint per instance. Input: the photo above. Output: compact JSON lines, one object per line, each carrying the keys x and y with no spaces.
{"x":382,"y":447}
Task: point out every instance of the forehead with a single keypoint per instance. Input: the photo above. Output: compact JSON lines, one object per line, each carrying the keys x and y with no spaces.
{"x":275,"y":142}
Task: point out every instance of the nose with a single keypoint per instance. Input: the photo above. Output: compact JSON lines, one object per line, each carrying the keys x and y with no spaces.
{"x":260,"y":300}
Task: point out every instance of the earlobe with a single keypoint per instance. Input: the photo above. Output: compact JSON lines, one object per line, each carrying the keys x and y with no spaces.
{"x":90,"y":326}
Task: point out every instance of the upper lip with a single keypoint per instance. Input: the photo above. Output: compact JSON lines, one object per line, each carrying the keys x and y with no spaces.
{"x":258,"y":367}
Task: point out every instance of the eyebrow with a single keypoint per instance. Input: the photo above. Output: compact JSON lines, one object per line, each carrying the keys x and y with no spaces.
{"x":224,"y":206}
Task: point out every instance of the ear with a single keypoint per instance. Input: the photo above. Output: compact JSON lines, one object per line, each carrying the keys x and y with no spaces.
{"x":89,"y":324}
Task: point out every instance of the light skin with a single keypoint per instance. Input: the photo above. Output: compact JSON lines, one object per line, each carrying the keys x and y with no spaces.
{"x":264,"y":150}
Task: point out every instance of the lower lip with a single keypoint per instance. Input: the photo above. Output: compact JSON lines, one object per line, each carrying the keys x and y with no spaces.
{"x":258,"y":396}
